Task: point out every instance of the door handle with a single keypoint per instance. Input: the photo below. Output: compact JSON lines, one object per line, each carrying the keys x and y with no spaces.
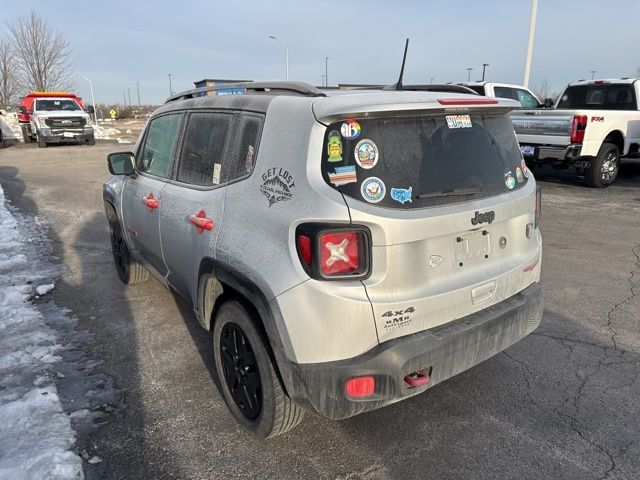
{"x":151,"y":202}
{"x":201,"y":222}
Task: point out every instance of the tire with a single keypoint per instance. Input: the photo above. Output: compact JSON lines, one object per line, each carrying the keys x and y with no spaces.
{"x":242,"y":359}
{"x":129,"y":271}
{"x":604,"y":167}
{"x":91,"y":141}
{"x":26,"y":136}
{"x":42,"y":143}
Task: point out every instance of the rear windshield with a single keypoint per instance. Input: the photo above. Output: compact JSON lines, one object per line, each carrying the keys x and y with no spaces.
{"x":599,"y":97}
{"x":422,"y":161}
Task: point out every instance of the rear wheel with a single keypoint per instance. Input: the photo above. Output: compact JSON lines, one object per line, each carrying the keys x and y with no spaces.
{"x":604,"y":167}
{"x":129,"y":271}
{"x":42,"y":143}
{"x":250,"y":385}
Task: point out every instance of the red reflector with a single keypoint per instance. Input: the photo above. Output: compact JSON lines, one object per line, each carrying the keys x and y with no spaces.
{"x":304,"y":247}
{"x":360,"y":386}
{"x":339,"y":253}
{"x":470,"y":101}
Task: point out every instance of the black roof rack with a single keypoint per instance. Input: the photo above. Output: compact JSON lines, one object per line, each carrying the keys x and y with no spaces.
{"x":433,"y":88}
{"x":288,"y":87}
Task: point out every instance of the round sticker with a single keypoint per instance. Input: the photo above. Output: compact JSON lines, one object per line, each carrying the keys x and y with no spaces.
{"x":334,"y":147}
{"x":373,"y":190}
{"x":519,"y":176}
{"x":509,"y":181}
{"x":350,"y":129}
{"x":525,"y":169}
{"x":366,"y":153}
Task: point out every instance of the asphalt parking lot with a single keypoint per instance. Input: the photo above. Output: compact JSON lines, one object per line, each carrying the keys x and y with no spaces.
{"x":561,"y":404}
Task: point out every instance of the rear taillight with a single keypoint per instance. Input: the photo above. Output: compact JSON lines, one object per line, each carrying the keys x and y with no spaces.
{"x":331,"y":253}
{"x":578,"y":128}
{"x":538,"y":206}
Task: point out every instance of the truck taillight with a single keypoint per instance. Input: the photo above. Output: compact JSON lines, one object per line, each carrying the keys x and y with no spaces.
{"x":538,"y":206}
{"x":578,"y":127}
{"x":329,"y":252}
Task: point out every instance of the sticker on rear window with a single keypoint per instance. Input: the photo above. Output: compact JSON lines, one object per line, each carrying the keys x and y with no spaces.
{"x":402,"y":195}
{"x":334,"y":146}
{"x":519,"y":176}
{"x":366,"y":153}
{"x":509,"y":180}
{"x":216,"y":173}
{"x":373,"y":190}
{"x":350,"y":129}
{"x":458,"y":121}
{"x":525,"y":169}
{"x":343,"y":175}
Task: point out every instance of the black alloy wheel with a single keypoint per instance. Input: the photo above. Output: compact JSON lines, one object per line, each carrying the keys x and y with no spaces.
{"x":240,"y":370}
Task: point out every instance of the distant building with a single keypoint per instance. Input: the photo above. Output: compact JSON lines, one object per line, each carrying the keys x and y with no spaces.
{"x":216,"y":82}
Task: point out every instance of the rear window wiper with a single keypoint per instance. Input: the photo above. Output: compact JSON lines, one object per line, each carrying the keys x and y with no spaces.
{"x":452,"y":192}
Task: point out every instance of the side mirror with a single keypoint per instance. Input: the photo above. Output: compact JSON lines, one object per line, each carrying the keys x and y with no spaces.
{"x":548,"y":103}
{"x":90,"y":110}
{"x":22,"y":109}
{"x":121,"y":163}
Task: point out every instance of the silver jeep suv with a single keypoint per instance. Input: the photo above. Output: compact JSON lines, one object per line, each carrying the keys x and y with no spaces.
{"x":347,"y":249}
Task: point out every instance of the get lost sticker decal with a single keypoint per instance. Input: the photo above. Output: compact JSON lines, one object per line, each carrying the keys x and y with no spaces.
{"x":277,"y":185}
{"x":373,"y":190}
{"x":334,"y":146}
{"x":366,"y":153}
{"x":458,"y":121}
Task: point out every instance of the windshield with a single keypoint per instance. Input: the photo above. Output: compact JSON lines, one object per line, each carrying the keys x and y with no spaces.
{"x":51,"y":104}
{"x":599,"y":97}
{"x":420,"y":161}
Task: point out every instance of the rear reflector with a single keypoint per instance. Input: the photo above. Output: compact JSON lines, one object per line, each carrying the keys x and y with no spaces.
{"x":304,"y":248}
{"x":360,"y":386}
{"x":470,"y":101}
{"x":531,"y":266}
{"x":339,"y":253}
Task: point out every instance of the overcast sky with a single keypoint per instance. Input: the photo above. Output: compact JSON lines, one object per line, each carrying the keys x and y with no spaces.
{"x":118,"y":42}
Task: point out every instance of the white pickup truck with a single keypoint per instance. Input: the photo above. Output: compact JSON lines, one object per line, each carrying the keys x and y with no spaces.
{"x":594,"y":124}
{"x":521,"y":94}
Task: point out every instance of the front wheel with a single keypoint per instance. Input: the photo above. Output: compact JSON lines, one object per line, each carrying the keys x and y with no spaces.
{"x":604,"y":167}
{"x":42,"y":143}
{"x":250,"y":385}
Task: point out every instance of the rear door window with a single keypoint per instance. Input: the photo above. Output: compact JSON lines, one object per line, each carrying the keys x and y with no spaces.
{"x":202,"y":156}
{"x":157,"y":153}
{"x":422,"y":161}
{"x":242,"y":163}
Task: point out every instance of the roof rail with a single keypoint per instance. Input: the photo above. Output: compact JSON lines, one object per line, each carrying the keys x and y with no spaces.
{"x":291,"y":87}
{"x":434,"y":88}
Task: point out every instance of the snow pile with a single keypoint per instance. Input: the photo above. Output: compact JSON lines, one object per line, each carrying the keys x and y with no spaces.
{"x":35,"y":434}
{"x":10,"y":126}
{"x":105,"y":133}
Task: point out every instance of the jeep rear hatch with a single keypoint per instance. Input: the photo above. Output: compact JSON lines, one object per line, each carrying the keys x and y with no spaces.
{"x":450,"y":206}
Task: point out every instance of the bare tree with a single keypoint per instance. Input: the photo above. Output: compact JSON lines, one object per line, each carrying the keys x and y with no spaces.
{"x":8,"y":88}
{"x":42,"y":54}
{"x":543,"y":91}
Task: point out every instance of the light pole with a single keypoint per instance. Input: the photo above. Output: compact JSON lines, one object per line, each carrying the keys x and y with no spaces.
{"x":129,"y":95}
{"x":326,"y":71}
{"x":593,"y":72}
{"x":532,"y":31}
{"x":170,"y":89}
{"x":469,"y":74}
{"x":286,"y":57}
{"x":124,"y":98}
{"x":93,"y":101}
{"x":322,"y":77}
{"x":138,"y":89}
{"x":484,"y":66}
{"x":431,"y":80}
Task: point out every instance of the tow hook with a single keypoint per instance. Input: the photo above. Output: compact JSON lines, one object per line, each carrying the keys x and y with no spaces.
{"x":419,"y":378}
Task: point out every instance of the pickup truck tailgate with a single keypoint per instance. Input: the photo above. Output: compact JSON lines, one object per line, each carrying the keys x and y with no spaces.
{"x":543,"y":127}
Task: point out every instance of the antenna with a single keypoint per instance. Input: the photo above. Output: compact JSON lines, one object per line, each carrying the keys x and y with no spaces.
{"x":404,"y":59}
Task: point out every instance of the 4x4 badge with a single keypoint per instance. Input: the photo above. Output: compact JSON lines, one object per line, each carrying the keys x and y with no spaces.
{"x":277,"y":185}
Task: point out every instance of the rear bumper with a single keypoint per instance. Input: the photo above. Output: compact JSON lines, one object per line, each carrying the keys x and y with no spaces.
{"x":444,"y":351}
{"x":547,"y":152}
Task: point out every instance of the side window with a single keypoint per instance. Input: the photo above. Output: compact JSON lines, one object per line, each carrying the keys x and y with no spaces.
{"x":526,"y":99}
{"x":201,"y":159}
{"x":158,"y":146}
{"x":504,"y":92}
{"x":248,"y":149}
